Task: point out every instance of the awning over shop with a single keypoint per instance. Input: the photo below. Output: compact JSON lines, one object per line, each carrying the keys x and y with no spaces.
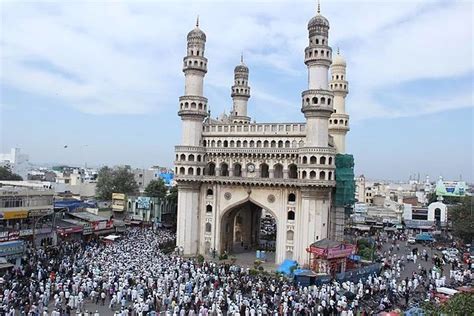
{"x":362,"y":227}
{"x":111,"y":237}
{"x":104,"y":232}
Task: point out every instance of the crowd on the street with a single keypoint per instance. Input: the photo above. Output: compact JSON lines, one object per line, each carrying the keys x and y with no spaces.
{"x":132,"y":276}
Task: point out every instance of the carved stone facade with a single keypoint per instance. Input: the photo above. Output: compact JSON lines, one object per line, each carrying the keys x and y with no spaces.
{"x":231,"y":166}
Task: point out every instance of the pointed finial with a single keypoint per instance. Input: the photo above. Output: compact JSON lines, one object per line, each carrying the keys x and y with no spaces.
{"x":242,"y":57}
{"x":197,"y":21}
{"x":319,"y":7}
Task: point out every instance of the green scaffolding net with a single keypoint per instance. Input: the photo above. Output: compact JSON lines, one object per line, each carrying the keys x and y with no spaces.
{"x":345,"y":184}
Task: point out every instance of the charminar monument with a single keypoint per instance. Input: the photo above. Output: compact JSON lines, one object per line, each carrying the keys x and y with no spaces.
{"x":230,"y":170}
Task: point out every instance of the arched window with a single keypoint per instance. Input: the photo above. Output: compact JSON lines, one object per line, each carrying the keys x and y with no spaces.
{"x":312,"y":174}
{"x":209,"y":193}
{"x":259,"y":143}
{"x":237,"y":170}
{"x":278,"y":171}
{"x":323,"y":100}
{"x":211,"y":169}
{"x":239,"y":143}
{"x":265,"y":144}
{"x":191,"y":157}
{"x":292,"y":171}
{"x":219,"y":143}
{"x":303,"y":174}
{"x":252,"y":143}
{"x":329,"y":101}
{"x":183,"y":157}
{"x":193,"y":104}
{"x":330,"y":161}
{"x":182,"y":170}
{"x":213,"y":143}
{"x":330,"y":175}
{"x":264,"y":171}
{"x":209,"y":209}
{"x":291,"y":197}
{"x":190,"y":171}
{"x":198,"y":158}
{"x":280,"y":144}
{"x":305,"y":160}
{"x":226,"y":143}
{"x":198,"y":171}
{"x":289,"y":234}
{"x":232,"y":143}
{"x":273,"y":144}
{"x":244,"y":143}
{"x":314,"y":100}
{"x":322,"y":175}
{"x":312,"y":160}
{"x":224,"y":169}
{"x":208,"y":227}
{"x":322,"y":160}
{"x":307,"y":101}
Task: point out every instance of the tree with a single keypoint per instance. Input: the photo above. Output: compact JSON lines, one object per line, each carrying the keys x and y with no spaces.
{"x":173,"y":195}
{"x":458,"y":304}
{"x":8,"y":175}
{"x":156,"y":188}
{"x":118,"y":180}
{"x":462,"y":218}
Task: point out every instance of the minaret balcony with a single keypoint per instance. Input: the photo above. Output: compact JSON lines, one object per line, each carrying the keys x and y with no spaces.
{"x":196,"y":63}
{"x":318,"y":55}
{"x":339,"y":86}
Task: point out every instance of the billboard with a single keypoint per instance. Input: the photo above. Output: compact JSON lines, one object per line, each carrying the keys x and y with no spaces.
{"x":143,"y":202}
{"x":450,"y":188}
{"x":167,"y":178}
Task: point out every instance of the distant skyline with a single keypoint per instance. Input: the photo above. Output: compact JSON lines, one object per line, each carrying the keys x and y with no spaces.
{"x":104,"y":77}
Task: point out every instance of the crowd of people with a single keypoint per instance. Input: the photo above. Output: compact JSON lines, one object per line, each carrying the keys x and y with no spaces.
{"x":133,"y":276}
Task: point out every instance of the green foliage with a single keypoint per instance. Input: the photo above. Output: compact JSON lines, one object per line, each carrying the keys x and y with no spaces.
{"x":118,"y":180}
{"x":365,"y":249}
{"x":253,"y":271}
{"x":200,"y":258}
{"x":462,"y":217}
{"x":458,"y":304}
{"x":448,"y":200}
{"x":223,"y":256}
{"x":7,"y":175}
{"x":173,"y":195}
{"x":156,"y":188}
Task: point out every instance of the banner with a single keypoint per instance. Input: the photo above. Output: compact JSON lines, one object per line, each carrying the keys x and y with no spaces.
{"x":15,"y":214}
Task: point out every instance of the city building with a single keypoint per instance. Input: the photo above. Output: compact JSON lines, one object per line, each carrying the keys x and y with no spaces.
{"x":149,"y":209}
{"x":233,"y":168}
{"x":16,"y":161}
{"x":143,"y":177}
{"x":27,"y":212}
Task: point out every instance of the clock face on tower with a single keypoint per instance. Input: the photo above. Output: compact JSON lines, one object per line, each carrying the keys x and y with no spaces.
{"x":250,"y":167}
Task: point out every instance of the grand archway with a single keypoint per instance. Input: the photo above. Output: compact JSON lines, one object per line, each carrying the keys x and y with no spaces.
{"x":246,"y":228}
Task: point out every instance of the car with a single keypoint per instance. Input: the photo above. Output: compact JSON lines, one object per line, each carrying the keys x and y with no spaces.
{"x":411,"y":240}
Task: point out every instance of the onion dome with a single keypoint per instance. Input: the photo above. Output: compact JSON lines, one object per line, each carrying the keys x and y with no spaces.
{"x":318,"y":25}
{"x":197,"y":33}
{"x":242,"y":67}
{"x":338,"y":60}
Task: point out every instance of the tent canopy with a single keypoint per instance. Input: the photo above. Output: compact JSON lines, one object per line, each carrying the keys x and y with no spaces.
{"x":285,"y":266}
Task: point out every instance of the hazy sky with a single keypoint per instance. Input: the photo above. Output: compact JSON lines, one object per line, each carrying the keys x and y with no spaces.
{"x":104,"y":77}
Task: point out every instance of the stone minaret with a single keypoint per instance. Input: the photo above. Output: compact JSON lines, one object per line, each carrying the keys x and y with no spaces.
{"x":190,"y":162}
{"x":240,"y":93}
{"x":339,"y":120}
{"x":316,"y":157}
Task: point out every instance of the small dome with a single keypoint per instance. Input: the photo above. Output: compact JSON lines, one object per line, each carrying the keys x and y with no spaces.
{"x":241,"y":68}
{"x":197,"y":33}
{"x":338,"y":60}
{"x":318,"y":20}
